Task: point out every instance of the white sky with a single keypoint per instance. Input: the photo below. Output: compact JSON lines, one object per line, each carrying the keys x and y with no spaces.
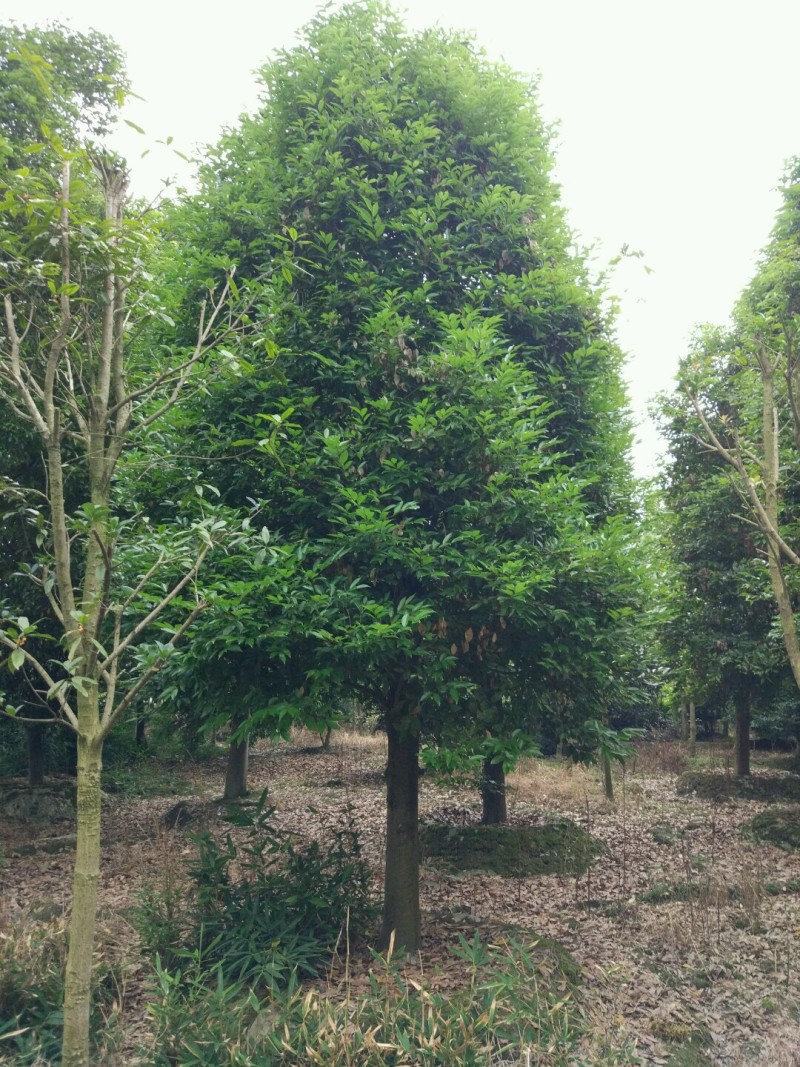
{"x":676,"y":118}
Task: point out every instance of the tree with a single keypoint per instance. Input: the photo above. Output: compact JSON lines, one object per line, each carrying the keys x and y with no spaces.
{"x":718,"y":632}
{"x":745,"y":392}
{"x":77,"y":369}
{"x":65,"y":82}
{"x":450,"y":410}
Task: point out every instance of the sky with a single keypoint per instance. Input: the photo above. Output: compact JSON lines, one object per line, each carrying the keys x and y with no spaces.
{"x":675,"y":120}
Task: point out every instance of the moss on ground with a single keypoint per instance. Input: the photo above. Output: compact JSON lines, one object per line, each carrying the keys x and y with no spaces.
{"x":778,"y":826}
{"x":711,"y":786}
{"x":558,"y":847}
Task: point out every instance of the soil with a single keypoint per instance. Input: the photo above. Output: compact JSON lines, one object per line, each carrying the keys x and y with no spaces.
{"x":684,"y":928}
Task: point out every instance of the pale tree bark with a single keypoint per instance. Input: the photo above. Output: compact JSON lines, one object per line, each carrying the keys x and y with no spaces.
{"x":684,"y":721}
{"x":743,"y":717}
{"x":761,"y":492}
{"x":608,"y":778}
{"x":692,"y":728}
{"x":75,"y":387}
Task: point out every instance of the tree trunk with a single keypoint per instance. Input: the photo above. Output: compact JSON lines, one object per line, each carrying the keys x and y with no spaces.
{"x":236,"y":770}
{"x":743,"y":736}
{"x":35,"y":755}
{"x":325,"y":738}
{"x":139,"y":738}
{"x":684,"y":721}
{"x":493,"y":794}
{"x":608,"y":781}
{"x":692,"y":728}
{"x":77,"y":988}
{"x":401,"y":913}
{"x":783,"y":597}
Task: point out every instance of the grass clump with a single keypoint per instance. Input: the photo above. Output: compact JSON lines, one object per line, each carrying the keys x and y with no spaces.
{"x":506,"y":1009}
{"x":258,"y":908}
{"x":559,"y":847}
{"x":778,"y":826}
{"x":32,"y":962}
{"x":663,"y":835}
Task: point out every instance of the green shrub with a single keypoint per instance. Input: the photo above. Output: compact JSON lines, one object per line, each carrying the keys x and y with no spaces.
{"x":260,"y":909}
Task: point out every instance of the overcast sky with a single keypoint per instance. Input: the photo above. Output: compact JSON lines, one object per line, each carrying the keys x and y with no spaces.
{"x":675,"y":121}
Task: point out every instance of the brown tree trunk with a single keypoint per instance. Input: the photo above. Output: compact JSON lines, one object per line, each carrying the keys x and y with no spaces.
{"x":493,"y":794}
{"x":692,"y":728}
{"x":35,"y":755}
{"x":743,"y":736}
{"x":236,"y":770}
{"x":325,"y":738}
{"x":401,"y":912}
{"x":78,"y":980}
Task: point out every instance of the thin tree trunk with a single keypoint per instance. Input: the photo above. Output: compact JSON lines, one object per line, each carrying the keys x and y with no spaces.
{"x":236,"y":769}
{"x":493,"y":794}
{"x":77,"y":989}
{"x":692,"y":728}
{"x":139,"y":737}
{"x":743,"y":736}
{"x":35,"y":755}
{"x":325,"y":738}
{"x":608,"y":780}
{"x":783,"y":597}
{"x":401,"y":911}
{"x":684,"y":721}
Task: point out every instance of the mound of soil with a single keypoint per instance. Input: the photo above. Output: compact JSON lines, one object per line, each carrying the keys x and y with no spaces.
{"x":713,"y":786}
{"x":559,"y":847}
{"x":779,"y":826}
{"x":38,"y":805}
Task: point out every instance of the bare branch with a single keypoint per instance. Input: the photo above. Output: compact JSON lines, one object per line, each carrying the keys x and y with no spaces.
{"x":165,"y":601}
{"x":153,"y":669}
{"x":768,"y":528}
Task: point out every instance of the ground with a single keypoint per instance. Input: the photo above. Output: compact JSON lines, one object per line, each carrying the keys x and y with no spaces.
{"x":686,"y":928}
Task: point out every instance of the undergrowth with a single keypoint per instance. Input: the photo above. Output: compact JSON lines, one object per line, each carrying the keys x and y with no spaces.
{"x":505,"y":1013}
{"x":258,"y":908}
{"x":32,"y":961}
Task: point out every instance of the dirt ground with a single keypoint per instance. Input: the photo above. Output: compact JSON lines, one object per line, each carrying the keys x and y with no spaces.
{"x":686,"y":930}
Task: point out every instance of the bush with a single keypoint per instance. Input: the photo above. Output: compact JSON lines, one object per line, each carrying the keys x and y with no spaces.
{"x":261,"y":909}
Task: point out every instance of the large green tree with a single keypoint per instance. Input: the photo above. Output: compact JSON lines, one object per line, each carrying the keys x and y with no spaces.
{"x":450,"y":415}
